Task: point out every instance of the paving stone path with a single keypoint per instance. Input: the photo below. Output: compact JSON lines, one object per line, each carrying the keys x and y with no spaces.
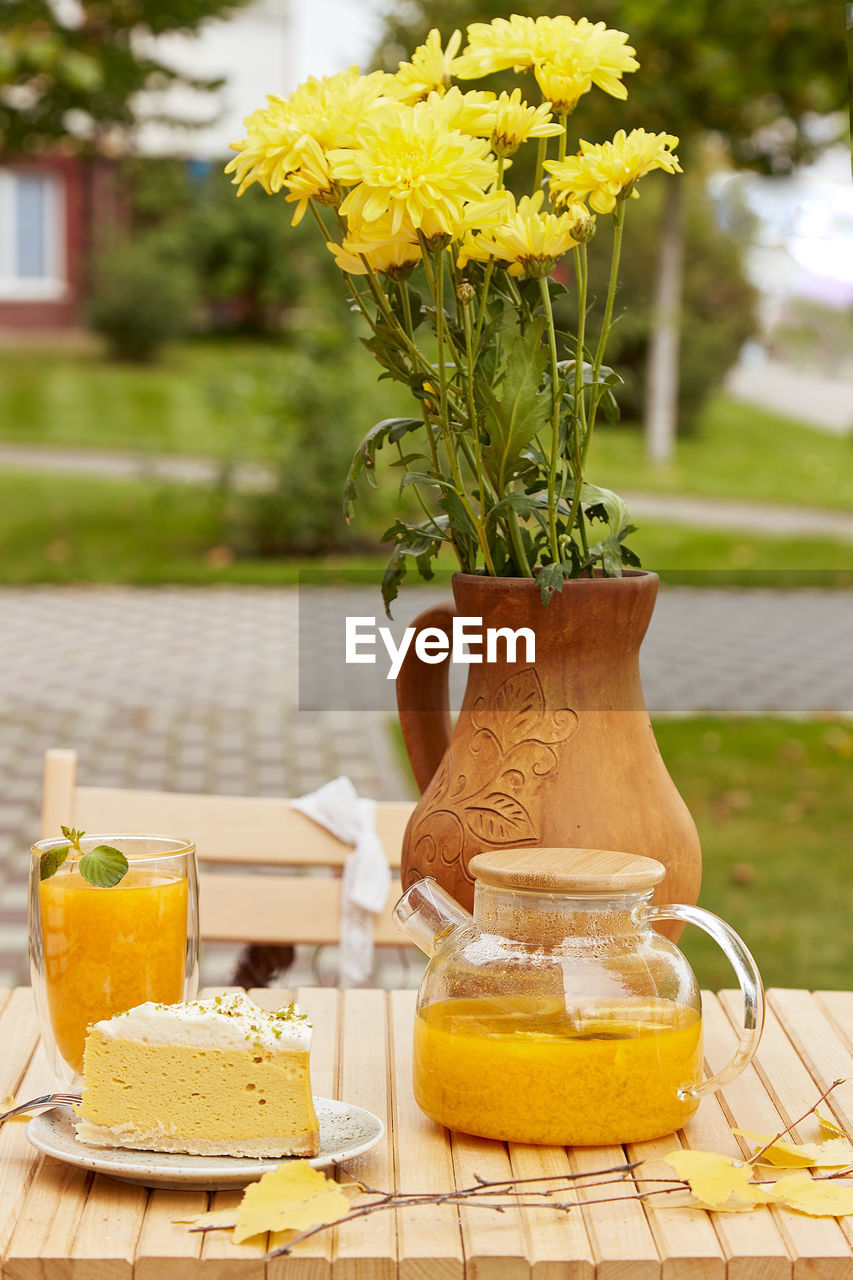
{"x":193,"y":689}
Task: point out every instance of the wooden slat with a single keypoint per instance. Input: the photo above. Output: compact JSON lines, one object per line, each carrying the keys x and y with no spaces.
{"x":58,"y":800}
{"x":618,"y":1231}
{"x":18,"y":1160}
{"x":369,"y":1245}
{"x":817,"y":1246}
{"x":752,"y":1242}
{"x":686,"y":1241}
{"x":552,"y":1237}
{"x":107,"y":1232}
{"x":313,"y":1259}
{"x":430,"y":1239}
{"x":261,"y":829}
{"x":265,"y":908}
{"x":838,"y":1006}
{"x":820,"y":1047}
{"x":166,"y":1249}
{"x":494,"y":1243}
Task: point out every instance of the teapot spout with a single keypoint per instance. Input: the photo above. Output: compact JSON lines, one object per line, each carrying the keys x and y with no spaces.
{"x":426,"y":914}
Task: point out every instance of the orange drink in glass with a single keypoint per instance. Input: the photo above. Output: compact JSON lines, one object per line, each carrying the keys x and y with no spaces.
{"x":98,"y":951}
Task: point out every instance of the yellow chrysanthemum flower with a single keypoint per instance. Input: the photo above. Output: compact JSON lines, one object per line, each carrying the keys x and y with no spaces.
{"x":594,"y":50}
{"x":582,"y":52}
{"x":606,"y":172}
{"x":429,"y":71}
{"x":376,"y":246}
{"x":310,"y":179}
{"x":527,"y":243}
{"x":513,"y":122}
{"x":496,"y":46}
{"x":327,"y":110}
{"x":471,"y":112}
{"x":408,"y":162}
{"x":474,"y":215}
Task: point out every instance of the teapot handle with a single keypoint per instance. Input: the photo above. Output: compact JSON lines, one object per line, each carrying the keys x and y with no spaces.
{"x":423,"y":700}
{"x":748,"y":976}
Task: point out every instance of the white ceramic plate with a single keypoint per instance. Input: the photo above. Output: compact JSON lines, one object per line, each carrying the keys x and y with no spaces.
{"x":345,"y":1131}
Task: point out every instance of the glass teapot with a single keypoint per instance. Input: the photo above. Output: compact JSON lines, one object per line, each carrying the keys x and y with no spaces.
{"x":556,"y":1014}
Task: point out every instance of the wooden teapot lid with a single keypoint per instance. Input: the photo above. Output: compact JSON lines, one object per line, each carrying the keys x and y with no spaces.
{"x":566,"y":870}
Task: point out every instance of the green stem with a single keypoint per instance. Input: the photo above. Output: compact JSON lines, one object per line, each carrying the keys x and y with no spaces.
{"x":595,"y":398}
{"x":541,"y":157}
{"x":484,"y":297}
{"x":618,"y":220}
{"x":579,"y":431}
{"x":555,"y":421}
{"x":436,"y":282}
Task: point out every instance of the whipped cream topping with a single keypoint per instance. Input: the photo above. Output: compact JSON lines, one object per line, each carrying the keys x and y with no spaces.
{"x":222,"y":1022}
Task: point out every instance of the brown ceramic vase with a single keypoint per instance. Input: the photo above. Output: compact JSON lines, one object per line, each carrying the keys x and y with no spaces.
{"x":556,"y":752}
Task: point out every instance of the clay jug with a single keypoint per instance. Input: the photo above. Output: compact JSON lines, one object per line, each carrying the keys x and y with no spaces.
{"x":555,"y":752}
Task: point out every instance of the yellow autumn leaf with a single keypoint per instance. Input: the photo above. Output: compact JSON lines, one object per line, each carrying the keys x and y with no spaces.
{"x":292,"y":1197}
{"x":7,"y":1104}
{"x":835,"y":1153}
{"x":818,"y":1197}
{"x":717,"y":1182}
{"x":829,"y":1125}
{"x":220,"y":1218}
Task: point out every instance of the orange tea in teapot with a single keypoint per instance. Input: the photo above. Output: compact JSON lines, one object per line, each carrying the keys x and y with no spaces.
{"x":556,"y":1014}
{"x":515,"y":1069}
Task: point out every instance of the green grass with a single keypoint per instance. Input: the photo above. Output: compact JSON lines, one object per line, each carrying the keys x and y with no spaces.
{"x":736,"y":451}
{"x":198,"y":400}
{"x":772,"y":800}
{"x":93,"y":530}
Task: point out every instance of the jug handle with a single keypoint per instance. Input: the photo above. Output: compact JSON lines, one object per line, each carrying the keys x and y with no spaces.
{"x":423,"y":702}
{"x":748,"y":976}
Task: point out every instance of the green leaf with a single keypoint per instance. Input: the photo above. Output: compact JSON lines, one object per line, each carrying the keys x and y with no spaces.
{"x":389,"y":430}
{"x":103,"y":866}
{"x":551,"y":578}
{"x":609,"y":551}
{"x":519,"y":410}
{"x":617,"y":512}
{"x":52,"y":859}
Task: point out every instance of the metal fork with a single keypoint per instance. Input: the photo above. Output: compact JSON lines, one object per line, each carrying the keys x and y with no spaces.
{"x":47,"y":1100}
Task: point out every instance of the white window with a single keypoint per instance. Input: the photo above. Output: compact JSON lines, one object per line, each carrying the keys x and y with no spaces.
{"x":32,"y":236}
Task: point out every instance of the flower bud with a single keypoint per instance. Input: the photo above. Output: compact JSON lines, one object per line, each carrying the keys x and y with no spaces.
{"x":466,"y":293}
{"x":583,"y":225}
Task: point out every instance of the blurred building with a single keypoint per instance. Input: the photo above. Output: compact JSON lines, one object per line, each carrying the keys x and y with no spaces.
{"x":53,"y":208}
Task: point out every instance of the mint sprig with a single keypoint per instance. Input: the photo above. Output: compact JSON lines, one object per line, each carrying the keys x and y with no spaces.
{"x":102,"y":866}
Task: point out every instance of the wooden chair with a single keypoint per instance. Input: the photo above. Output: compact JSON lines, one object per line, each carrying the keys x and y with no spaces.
{"x":268,"y":876}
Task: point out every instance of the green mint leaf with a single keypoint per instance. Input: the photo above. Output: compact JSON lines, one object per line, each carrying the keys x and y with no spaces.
{"x":52,"y":859}
{"x":103,"y":866}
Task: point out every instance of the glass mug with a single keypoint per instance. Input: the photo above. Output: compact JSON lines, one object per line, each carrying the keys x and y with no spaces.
{"x":95,"y":952}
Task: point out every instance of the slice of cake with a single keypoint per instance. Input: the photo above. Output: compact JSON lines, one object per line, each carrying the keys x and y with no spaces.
{"x":208,"y":1077}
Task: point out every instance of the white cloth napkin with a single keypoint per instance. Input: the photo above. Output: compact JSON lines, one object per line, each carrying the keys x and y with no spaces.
{"x":366,"y":877}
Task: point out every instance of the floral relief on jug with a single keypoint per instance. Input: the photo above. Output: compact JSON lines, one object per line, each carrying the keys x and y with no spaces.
{"x":488,"y":783}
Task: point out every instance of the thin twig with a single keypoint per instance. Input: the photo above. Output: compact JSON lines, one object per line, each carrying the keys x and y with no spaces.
{"x":794,"y":1123}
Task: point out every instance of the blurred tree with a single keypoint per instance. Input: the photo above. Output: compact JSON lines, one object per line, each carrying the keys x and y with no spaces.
{"x":749,"y":77}
{"x":70,"y":71}
{"x":254,"y":272}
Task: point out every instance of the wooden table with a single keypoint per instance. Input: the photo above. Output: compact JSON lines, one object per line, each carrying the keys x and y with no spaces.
{"x":57,"y":1221}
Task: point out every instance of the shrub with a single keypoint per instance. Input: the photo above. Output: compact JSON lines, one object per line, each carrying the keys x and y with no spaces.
{"x":143,"y":298}
{"x":303,"y":409}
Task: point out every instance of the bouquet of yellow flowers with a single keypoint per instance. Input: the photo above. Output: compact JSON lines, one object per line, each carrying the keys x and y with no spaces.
{"x":405,"y":175}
